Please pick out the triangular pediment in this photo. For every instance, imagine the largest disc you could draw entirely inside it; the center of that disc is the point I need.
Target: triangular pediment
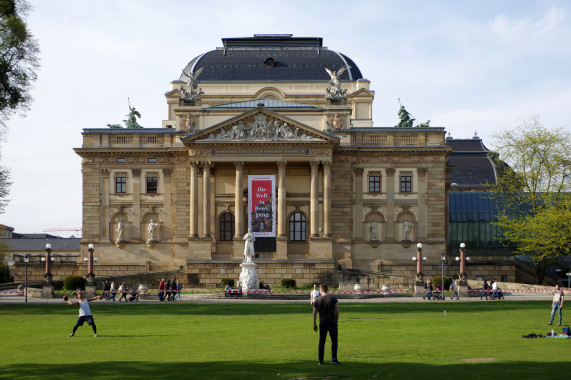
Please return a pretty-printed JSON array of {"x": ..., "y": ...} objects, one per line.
[
  {"x": 259, "y": 125},
  {"x": 363, "y": 92}
]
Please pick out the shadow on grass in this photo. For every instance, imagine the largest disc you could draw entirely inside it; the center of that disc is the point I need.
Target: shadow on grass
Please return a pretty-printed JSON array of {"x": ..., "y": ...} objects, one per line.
[{"x": 300, "y": 369}]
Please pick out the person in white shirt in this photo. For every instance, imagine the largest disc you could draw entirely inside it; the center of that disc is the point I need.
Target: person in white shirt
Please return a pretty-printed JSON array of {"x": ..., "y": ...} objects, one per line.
[
  {"x": 314, "y": 294},
  {"x": 84, "y": 311},
  {"x": 557, "y": 304}
]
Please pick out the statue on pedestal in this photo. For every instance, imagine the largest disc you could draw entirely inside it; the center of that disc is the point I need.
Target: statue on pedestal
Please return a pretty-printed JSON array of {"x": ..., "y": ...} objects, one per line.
[
  {"x": 249, "y": 246},
  {"x": 374, "y": 232},
  {"x": 119, "y": 230}
]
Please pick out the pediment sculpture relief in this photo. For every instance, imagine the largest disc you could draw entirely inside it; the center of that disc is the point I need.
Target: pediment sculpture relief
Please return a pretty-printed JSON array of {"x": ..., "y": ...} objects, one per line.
[{"x": 261, "y": 130}]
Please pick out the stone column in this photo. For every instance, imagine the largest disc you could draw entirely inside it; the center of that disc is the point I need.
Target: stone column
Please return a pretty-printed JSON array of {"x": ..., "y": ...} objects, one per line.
[
  {"x": 314, "y": 201},
  {"x": 282, "y": 210},
  {"x": 422, "y": 196},
  {"x": 193, "y": 199},
  {"x": 358, "y": 212},
  {"x": 168, "y": 206},
  {"x": 326, "y": 199},
  {"x": 390, "y": 203},
  {"x": 238, "y": 200},
  {"x": 206, "y": 199},
  {"x": 137, "y": 204},
  {"x": 419, "y": 281},
  {"x": 106, "y": 234}
]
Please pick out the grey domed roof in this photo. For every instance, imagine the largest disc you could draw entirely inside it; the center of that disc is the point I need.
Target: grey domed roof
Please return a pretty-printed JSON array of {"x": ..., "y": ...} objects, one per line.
[{"x": 271, "y": 58}]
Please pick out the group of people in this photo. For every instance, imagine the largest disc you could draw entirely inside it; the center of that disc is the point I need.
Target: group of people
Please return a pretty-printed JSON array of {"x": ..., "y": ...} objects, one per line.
[
  {"x": 229, "y": 292},
  {"x": 110, "y": 292},
  {"x": 492, "y": 290},
  {"x": 170, "y": 290},
  {"x": 433, "y": 292}
]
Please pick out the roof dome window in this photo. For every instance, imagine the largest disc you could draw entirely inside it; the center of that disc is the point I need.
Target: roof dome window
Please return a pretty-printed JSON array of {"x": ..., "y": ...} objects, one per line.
[{"x": 270, "y": 62}]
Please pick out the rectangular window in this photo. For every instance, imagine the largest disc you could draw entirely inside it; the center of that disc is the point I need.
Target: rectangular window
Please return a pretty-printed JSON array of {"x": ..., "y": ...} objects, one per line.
[
  {"x": 152, "y": 185},
  {"x": 120, "y": 185},
  {"x": 152, "y": 160},
  {"x": 121, "y": 160},
  {"x": 375, "y": 184},
  {"x": 405, "y": 183},
  {"x": 504, "y": 278}
]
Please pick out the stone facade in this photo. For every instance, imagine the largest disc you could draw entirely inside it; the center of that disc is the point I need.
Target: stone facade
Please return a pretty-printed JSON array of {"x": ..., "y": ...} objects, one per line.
[{"x": 366, "y": 195}]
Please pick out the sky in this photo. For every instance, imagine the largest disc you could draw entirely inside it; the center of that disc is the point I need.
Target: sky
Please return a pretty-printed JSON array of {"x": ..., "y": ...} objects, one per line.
[{"x": 468, "y": 66}]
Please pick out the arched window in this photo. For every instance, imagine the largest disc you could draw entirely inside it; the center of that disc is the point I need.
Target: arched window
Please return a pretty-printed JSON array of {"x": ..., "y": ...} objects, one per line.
[
  {"x": 297, "y": 227},
  {"x": 226, "y": 227}
]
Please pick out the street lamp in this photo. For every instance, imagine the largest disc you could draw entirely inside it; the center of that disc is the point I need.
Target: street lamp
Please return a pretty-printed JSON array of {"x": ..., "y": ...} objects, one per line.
[
  {"x": 463, "y": 258},
  {"x": 26, "y": 260},
  {"x": 443, "y": 260},
  {"x": 419, "y": 283},
  {"x": 48, "y": 259},
  {"x": 90, "y": 260}
]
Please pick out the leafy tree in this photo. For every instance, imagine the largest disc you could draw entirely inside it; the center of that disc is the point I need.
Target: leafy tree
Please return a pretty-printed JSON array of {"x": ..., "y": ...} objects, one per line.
[
  {"x": 533, "y": 191},
  {"x": 4, "y": 187},
  {"x": 18, "y": 59}
]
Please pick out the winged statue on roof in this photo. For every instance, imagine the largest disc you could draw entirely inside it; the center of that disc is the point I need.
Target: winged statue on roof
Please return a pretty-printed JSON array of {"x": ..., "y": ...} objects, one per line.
[
  {"x": 191, "y": 91},
  {"x": 334, "y": 91}
]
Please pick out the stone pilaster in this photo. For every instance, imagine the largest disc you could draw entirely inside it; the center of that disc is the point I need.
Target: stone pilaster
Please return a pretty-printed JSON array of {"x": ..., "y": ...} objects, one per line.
[
  {"x": 282, "y": 211},
  {"x": 239, "y": 200},
  {"x": 357, "y": 225},
  {"x": 136, "y": 230},
  {"x": 422, "y": 192},
  {"x": 314, "y": 201},
  {"x": 193, "y": 199},
  {"x": 206, "y": 199},
  {"x": 327, "y": 199},
  {"x": 390, "y": 203}
]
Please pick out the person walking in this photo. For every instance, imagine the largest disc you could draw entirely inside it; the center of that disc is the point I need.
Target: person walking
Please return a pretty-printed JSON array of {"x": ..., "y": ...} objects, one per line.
[
  {"x": 328, "y": 308},
  {"x": 178, "y": 289},
  {"x": 314, "y": 294},
  {"x": 113, "y": 290},
  {"x": 429, "y": 288},
  {"x": 557, "y": 304},
  {"x": 454, "y": 288},
  {"x": 494, "y": 289},
  {"x": 123, "y": 291},
  {"x": 485, "y": 288},
  {"x": 84, "y": 312},
  {"x": 161, "y": 293}
]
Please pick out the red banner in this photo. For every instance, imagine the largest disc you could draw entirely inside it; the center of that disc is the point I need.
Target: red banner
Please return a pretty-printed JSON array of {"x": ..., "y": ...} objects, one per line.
[{"x": 262, "y": 205}]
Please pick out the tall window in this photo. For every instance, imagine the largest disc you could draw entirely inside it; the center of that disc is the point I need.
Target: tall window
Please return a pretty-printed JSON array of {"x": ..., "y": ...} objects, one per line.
[
  {"x": 120, "y": 185},
  {"x": 406, "y": 183},
  {"x": 297, "y": 227},
  {"x": 152, "y": 185},
  {"x": 374, "y": 184},
  {"x": 226, "y": 227}
]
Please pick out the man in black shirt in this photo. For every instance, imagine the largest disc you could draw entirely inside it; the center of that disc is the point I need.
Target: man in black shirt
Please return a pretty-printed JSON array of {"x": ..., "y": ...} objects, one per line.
[{"x": 328, "y": 309}]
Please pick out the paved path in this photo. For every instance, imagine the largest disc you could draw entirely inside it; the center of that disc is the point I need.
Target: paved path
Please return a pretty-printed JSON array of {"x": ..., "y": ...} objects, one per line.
[{"x": 6, "y": 299}]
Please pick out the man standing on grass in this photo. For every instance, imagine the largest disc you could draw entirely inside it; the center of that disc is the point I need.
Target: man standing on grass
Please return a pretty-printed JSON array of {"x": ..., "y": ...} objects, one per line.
[
  {"x": 328, "y": 309},
  {"x": 84, "y": 311},
  {"x": 314, "y": 294},
  {"x": 557, "y": 304}
]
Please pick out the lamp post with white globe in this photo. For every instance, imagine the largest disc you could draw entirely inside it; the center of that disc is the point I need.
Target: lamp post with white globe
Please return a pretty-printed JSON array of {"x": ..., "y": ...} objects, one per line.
[
  {"x": 48, "y": 287},
  {"x": 419, "y": 281},
  {"x": 90, "y": 287}
]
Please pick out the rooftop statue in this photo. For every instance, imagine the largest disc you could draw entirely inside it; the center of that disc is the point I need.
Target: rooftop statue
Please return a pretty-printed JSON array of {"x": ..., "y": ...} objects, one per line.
[
  {"x": 191, "y": 91},
  {"x": 131, "y": 121},
  {"x": 334, "y": 91},
  {"x": 406, "y": 121}
]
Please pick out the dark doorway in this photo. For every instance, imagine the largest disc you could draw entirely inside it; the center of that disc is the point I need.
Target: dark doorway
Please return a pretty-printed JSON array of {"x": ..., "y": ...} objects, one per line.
[{"x": 265, "y": 244}]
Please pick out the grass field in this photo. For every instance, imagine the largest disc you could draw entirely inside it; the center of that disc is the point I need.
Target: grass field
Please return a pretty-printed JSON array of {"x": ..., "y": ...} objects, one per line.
[{"x": 477, "y": 340}]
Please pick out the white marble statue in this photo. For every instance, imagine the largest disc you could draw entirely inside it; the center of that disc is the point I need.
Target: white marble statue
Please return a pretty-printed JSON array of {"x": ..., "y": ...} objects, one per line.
[
  {"x": 119, "y": 230},
  {"x": 374, "y": 232},
  {"x": 249, "y": 246},
  {"x": 151, "y": 229},
  {"x": 407, "y": 227},
  {"x": 335, "y": 91}
]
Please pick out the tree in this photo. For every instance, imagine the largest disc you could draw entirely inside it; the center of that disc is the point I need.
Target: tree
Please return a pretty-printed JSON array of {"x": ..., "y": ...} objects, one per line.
[
  {"x": 18, "y": 59},
  {"x": 533, "y": 192},
  {"x": 4, "y": 187}
]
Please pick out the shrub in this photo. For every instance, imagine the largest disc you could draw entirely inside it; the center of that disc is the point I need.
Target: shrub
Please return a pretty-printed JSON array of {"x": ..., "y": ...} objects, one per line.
[
  {"x": 227, "y": 281},
  {"x": 74, "y": 282},
  {"x": 6, "y": 274},
  {"x": 288, "y": 283},
  {"x": 438, "y": 281}
]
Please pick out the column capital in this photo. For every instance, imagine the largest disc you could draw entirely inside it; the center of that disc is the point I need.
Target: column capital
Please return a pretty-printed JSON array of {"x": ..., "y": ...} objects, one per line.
[
  {"x": 358, "y": 171},
  {"x": 314, "y": 164},
  {"x": 327, "y": 164},
  {"x": 282, "y": 165},
  {"x": 206, "y": 164},
  {"x": 422, "y": 171},
  {"x": 167, "y": 171},
  {"x": 193, "y": 164},
  {"x": 390, "y": 171},
  {"x": 239, "y": 164},
  {"x": 105, "y": 172},
  {"x": 136, "y": 172}
]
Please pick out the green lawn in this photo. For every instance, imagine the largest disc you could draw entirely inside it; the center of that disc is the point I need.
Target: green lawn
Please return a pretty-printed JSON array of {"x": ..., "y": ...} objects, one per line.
[{"x": 479, "y": 340}]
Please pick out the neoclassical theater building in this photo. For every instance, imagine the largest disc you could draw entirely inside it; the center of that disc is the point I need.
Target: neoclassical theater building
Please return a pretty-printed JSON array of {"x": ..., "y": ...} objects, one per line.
[{"x": 272, "y": 133}]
